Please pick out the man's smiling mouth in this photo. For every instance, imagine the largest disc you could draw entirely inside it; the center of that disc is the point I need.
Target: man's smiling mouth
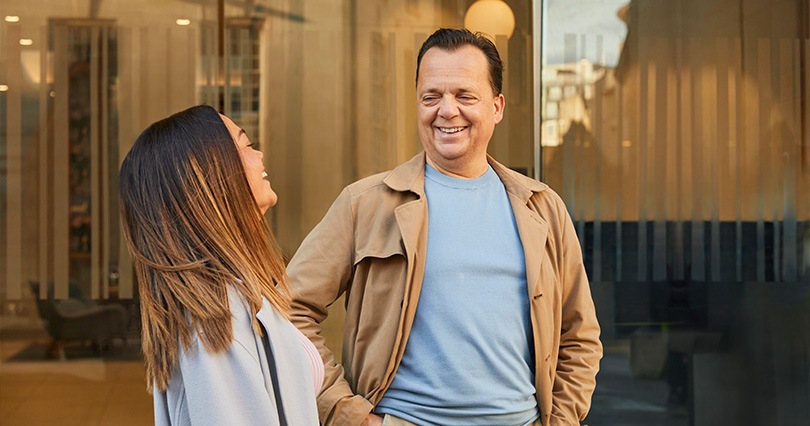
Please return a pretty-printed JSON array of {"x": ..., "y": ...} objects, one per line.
[{"x": 451, "y": 129}]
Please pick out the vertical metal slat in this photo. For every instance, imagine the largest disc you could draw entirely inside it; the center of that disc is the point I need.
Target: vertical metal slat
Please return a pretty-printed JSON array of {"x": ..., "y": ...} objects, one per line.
[
  {"x": 95, "y": 160},
  {"x": 61, "y": 164},
  {"x": 44, "y": 167},
  {"x": 14, "y": 181}
]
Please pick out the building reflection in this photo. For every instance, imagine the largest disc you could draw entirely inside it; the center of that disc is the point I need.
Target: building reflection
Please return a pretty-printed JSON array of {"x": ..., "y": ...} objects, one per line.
[{"x": 685, "y": 166}]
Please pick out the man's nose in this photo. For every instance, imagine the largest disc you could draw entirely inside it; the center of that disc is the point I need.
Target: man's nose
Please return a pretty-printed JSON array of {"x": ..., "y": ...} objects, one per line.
[{"x": 448, "y": 107}]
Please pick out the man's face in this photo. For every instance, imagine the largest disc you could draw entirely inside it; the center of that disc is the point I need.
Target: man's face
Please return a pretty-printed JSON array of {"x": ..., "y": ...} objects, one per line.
[{"x": 456, "y": 110}]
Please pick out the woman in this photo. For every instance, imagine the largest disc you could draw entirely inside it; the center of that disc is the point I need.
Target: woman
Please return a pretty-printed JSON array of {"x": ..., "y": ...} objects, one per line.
[{"x": 218, "y": 346}]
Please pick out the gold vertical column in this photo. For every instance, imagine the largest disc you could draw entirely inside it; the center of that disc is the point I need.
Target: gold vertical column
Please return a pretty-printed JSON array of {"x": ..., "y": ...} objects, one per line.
[
  {"x": 763, "y": 67},
  {"x": 674, "y": 176},
  {"x": 738, "y": 153},
  {"x": 391, "y": 77},
  {"x": 725, "y": 157},
  {"x": 14, "y": 243},
  {"x": 716, "y": 92},
  {"x": 696, "y": 171},
  {"x": 245, "y": 70},
  {"x": 128, "y": 108},
  {"x": 105, "y": 162},
  {"x": 774, "y": 162},
  {"x": 61, "y": 165},
  {"x": 143, "y": 78},
  {"x": 658, "y": 163},
  {"x": 194, "y": 59},
  {"x": 95, "y": 160},
  {"x": 646, "y": 123},
  {"x": 209, "y": 66},
  {"x": 225, "y": 70},
  {"x": 44, "y": 167},
  {"x": 737, "y": 157}
]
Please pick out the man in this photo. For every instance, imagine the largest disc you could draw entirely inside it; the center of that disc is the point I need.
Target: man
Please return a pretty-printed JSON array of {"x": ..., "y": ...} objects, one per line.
[{"x": 466, "y": 297}]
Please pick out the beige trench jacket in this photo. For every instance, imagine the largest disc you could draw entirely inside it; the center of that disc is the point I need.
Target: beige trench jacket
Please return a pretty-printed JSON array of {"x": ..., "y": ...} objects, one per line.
[{"x": 370, "y": 246}]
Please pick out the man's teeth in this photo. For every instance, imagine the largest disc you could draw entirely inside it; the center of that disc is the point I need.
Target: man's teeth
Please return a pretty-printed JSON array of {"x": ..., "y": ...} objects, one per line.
[
  {"x": 264, "y": 175},
  {"x": 451, "y": 129}
]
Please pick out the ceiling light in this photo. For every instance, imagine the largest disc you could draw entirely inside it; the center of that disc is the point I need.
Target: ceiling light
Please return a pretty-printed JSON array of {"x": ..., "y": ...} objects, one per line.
[
  {"x": 12, "y": 18},
  {"x": 26, "y": 41},
  {"x": 183, "y": 22},
  {"x": 3, "y": 88},
  {"x": 491, "y": 17}
]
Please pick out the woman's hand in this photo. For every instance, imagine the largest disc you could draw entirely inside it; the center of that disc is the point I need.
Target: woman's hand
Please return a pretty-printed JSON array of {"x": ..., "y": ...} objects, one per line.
[{"x": 372, "y": 420}]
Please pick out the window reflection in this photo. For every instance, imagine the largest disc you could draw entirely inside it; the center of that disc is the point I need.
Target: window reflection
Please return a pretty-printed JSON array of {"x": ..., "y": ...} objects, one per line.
[{"x": 683, "y": 162}]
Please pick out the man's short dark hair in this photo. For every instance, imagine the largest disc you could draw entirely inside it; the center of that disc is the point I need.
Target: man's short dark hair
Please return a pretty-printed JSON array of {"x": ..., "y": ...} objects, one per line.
[{"x": 453, "y": 39}]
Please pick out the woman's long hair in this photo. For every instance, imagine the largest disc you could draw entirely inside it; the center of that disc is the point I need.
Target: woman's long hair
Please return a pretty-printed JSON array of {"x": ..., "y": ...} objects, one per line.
[{"x": 193, "y": 228}]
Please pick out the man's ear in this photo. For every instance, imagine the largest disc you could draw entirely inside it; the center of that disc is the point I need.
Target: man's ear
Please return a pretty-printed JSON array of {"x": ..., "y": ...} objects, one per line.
[{"x": 499, "y": 105}]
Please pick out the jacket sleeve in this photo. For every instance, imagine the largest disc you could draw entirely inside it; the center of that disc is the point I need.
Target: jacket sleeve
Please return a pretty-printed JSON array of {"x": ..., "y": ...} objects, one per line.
[
  {"x": 580, "y": 349},
  {"x": 320, "y": 272},
  {"x": 226, "y": 388}
]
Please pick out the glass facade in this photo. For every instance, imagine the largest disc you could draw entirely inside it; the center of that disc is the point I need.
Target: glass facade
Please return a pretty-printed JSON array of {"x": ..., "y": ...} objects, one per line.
[
  {"x": 675, "y": 131},
  {"x": 677, "y": 134}
]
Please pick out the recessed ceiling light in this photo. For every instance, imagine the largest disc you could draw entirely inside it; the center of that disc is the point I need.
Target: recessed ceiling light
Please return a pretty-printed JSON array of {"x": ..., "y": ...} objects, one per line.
[
  {"x": 3, "y": 88},
  {"x": 183, "y": 22},
  {"x": 12, "y": 18},
  {"x": 26, "y": 41}
]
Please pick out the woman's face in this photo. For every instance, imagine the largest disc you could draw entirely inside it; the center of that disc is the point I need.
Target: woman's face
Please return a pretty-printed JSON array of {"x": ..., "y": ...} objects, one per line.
[{"x": 254, "y": 168}]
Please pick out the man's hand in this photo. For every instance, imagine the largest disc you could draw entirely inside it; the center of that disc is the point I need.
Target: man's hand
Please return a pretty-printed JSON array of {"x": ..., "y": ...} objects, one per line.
[{"x": 372, "y": 420}]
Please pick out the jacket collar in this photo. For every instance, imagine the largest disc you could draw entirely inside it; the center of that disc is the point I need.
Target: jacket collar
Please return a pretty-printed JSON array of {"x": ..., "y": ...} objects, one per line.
[{"x": 410, "y": 176}]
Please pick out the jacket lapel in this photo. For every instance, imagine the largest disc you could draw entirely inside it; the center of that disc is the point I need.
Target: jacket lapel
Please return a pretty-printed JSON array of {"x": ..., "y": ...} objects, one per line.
[
  {"x": 412, "y": 215},
  {"x": 532, "y": 228},
  {"x": 412, "y": 221},
  {"x": 291, "y": 362},
  {"x": 533, "y": 232}
]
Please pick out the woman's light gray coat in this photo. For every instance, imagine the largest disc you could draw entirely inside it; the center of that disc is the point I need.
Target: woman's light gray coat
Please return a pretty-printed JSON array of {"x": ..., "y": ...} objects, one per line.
[{"x": 235, "y": 387}]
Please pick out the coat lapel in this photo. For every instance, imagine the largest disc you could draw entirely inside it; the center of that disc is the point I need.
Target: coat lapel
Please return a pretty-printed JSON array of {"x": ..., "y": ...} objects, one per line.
[
  {"x": 292, "y": 367},
  {"x": 533, "y": 232},
  {"x": 532, "y": 228},
  {"x": 411, "y": 219},
  {"x": 411, "y": 216}
]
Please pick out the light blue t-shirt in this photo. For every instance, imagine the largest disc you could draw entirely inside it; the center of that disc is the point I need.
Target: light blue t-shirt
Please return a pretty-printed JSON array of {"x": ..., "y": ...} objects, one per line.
[{"x": 468, "y": 360}]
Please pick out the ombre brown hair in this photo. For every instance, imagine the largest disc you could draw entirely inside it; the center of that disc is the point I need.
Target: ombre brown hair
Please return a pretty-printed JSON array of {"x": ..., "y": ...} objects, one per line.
[{"x": 194, "y": 230}]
